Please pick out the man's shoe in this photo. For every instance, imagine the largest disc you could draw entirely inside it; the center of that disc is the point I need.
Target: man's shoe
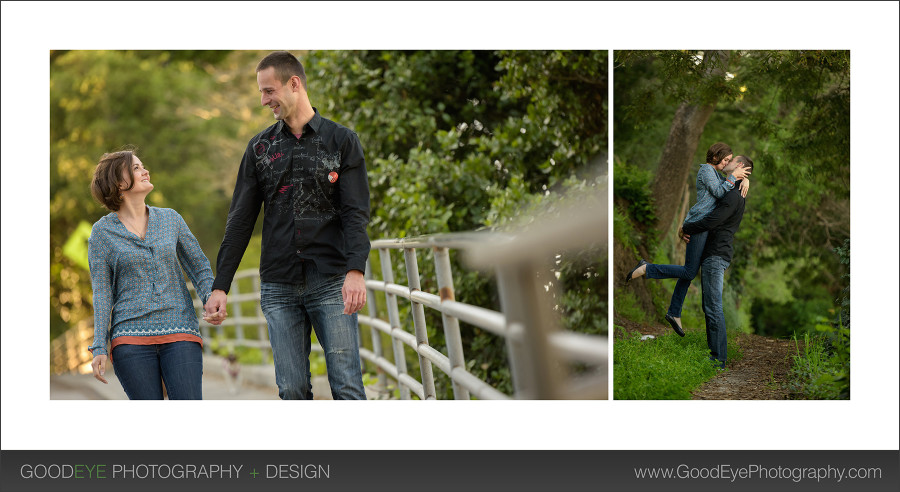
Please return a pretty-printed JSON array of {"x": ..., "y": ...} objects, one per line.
[
  {"x": 628, "y": 277},
  {"x": 674, "y": 324}
]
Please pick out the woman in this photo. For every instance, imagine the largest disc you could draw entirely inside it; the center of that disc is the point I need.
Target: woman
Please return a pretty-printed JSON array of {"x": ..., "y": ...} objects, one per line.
[
  {"x": 143, "y": 312},
  {"x": 710, "y": 187}
]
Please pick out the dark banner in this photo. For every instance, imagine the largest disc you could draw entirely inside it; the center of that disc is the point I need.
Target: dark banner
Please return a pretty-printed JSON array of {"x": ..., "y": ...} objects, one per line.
[{"x": 397, "y": 471}]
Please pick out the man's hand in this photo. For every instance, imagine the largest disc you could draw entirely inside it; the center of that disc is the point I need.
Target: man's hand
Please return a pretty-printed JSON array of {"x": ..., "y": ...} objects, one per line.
[
  {"x": 214, "y": 311},
  {"x": 684, "y": 237},
  {"x": 745, "y": 185},
  {"x": 99, "y": 367},
  {"x": 354, "y": 291},
  {"x": 741, "y": 172}
]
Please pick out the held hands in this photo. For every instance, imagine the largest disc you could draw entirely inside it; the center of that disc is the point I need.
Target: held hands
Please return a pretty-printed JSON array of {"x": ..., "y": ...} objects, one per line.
[
  {"x": 99, "y": 367},
  {"x": 354, "y": 291},
  {"x": 745, "y": 185},
  {"x": 684, "y": 237},
  {"x": 214, "y": 311}
]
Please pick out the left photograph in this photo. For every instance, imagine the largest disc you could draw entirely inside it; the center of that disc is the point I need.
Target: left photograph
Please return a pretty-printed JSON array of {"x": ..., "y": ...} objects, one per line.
[{"x": 328, "y": 225}]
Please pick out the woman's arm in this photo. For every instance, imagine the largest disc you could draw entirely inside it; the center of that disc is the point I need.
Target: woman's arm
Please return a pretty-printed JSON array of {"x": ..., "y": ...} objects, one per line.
[
  {"x": 102, "y": 287},
  {"x": 708, "y": 178},
  {"x": 193, "y": 260}
]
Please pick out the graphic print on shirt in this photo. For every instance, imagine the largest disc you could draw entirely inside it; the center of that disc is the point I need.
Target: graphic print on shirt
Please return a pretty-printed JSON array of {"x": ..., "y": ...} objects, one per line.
[
  {"x": 273, "y": 173},
  {"x": 303, "y": 183},
  {"x": 312, "y": 169}
]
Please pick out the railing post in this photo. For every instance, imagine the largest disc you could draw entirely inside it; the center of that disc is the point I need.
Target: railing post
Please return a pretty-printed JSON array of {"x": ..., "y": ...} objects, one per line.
[
  {"x": 537, "y": 375},
  {"x": 451, "y": 324},
  {"x": 412, "y": 272},
  {"x": 387, "y": 273},
  {"x": 261, "y": 328},
  {"x": 381, "y": 385}
]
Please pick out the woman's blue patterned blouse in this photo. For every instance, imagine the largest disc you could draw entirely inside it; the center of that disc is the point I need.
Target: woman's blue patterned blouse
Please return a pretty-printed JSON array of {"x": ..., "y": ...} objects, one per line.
[{"x": 138, "y": 287}]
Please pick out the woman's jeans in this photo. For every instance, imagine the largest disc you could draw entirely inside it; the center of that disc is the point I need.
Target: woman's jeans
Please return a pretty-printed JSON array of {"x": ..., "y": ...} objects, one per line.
[
  {"x": 292, "y": 312},
  {"x": 684, "y": 274},
  {"x": 143, "y": 369}
]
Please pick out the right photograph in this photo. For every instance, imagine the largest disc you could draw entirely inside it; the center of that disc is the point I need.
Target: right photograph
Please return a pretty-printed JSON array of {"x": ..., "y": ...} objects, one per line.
[{"x": 731, "y": 254}]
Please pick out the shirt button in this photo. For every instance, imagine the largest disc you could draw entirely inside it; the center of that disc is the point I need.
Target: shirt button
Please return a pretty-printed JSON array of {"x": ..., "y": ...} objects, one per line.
[{"x": 298, "y": 251}]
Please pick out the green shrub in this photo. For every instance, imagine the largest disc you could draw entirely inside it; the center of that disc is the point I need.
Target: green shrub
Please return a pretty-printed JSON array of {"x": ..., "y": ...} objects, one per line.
[
  {"x": 633, "y": 185},
  {"x": 821, "y": 371}
]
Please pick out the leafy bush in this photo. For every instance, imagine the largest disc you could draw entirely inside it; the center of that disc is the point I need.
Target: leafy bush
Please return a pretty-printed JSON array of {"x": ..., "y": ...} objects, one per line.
[
  {"x": 822, "y": 370},
  {"x": 633, "y": 185}
]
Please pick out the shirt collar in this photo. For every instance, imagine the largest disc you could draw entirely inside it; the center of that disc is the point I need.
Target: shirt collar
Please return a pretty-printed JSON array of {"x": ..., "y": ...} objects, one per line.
[{"x": 314, "y": 124}]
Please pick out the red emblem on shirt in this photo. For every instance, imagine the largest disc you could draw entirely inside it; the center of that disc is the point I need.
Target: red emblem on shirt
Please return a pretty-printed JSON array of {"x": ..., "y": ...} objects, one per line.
[{"x": 332, "y": 176}]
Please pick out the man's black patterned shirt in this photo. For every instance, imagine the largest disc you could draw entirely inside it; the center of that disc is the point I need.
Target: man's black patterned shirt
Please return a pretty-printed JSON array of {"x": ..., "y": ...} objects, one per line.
[{"x": 316, "y": 197}]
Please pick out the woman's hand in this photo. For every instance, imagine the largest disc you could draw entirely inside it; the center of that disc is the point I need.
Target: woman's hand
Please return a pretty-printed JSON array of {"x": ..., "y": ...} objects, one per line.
[
  {"x": 99, "y": 367},
  {"x": 745, "y": 185},
  {"x": 684, "y": 237},
  {"x": 215, "y": 318},
  {"x": 741, "y": 172}
]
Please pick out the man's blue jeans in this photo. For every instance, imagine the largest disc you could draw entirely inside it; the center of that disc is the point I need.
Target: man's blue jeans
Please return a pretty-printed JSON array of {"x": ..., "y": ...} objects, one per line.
[
  {"x": 143, "y": 369},
  {"x": 292, "y": 311},
  {"x": 713, "y": 281},
  {"x": 684, "y": 273}
]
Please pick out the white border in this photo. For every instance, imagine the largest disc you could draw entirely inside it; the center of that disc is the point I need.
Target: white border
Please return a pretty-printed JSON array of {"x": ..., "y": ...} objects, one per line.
[{"x": 31, "y": 421}]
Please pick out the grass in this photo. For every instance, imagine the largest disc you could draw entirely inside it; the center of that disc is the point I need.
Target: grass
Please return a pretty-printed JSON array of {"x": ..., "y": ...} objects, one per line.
[
  {"x": 668, "y": 367},
  {"x": 821, "y": 370}
]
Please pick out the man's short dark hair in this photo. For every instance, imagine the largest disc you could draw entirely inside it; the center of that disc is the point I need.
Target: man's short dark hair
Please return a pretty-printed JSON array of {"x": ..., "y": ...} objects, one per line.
[
  {"x": 717, "y": 152},
  {"x": 286, "y": 66},
  {"x": 745, "y": 161}
]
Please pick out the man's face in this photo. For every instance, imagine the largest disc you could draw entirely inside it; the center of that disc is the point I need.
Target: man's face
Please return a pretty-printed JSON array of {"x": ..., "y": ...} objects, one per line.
[
  {"x": 280, "y": 97},
  {"x": 731, "y": 166},
  {"x": 725, "y": 162}
]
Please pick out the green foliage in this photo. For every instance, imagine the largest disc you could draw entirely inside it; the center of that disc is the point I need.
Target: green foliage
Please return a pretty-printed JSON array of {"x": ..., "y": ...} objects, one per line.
[
  {"x": 843, "y": 253},
  {"x": 822, "y": 370},
  {"x": 627, "y": 307},
  {"x": 633, "y": 186},
  {"x": 667, "y": 367}
]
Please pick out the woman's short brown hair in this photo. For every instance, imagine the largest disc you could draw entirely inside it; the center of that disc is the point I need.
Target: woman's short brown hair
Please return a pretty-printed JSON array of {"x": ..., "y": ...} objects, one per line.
[
  {"x": 717, "y": 152},
  {"x": 109, "y": 175}
]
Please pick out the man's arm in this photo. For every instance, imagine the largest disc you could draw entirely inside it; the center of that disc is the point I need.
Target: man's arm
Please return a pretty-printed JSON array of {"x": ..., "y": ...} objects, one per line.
[
  {"x": 724, "y": 209},
  {"x": 353, "y": 185},
  {"x": 245, "y": 204}
]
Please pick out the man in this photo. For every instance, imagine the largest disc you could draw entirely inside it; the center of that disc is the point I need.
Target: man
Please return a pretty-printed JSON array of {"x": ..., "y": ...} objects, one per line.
[
  {"x": 722, "y": 223},
  {"x": 311, "y": 175}
]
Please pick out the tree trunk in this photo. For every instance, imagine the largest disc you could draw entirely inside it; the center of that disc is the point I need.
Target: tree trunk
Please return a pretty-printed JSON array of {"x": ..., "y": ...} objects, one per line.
[{"x": 677, "y": 163}]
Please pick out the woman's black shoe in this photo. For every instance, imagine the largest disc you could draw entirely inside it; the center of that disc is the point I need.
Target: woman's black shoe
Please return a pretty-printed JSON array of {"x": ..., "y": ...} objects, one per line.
[
  {"x": 674, "y": 324},
  {"x": 628, "y": 277}
]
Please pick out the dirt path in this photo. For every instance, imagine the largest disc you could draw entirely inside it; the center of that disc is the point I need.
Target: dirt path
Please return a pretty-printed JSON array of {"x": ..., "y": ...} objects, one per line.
[{"x": 760, "y": 374}]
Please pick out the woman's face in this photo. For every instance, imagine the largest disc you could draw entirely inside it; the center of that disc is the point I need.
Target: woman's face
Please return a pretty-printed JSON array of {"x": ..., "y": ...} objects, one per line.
[
  {"x": 724, "y": 162},
  {"x": 141, "y": 176}
]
